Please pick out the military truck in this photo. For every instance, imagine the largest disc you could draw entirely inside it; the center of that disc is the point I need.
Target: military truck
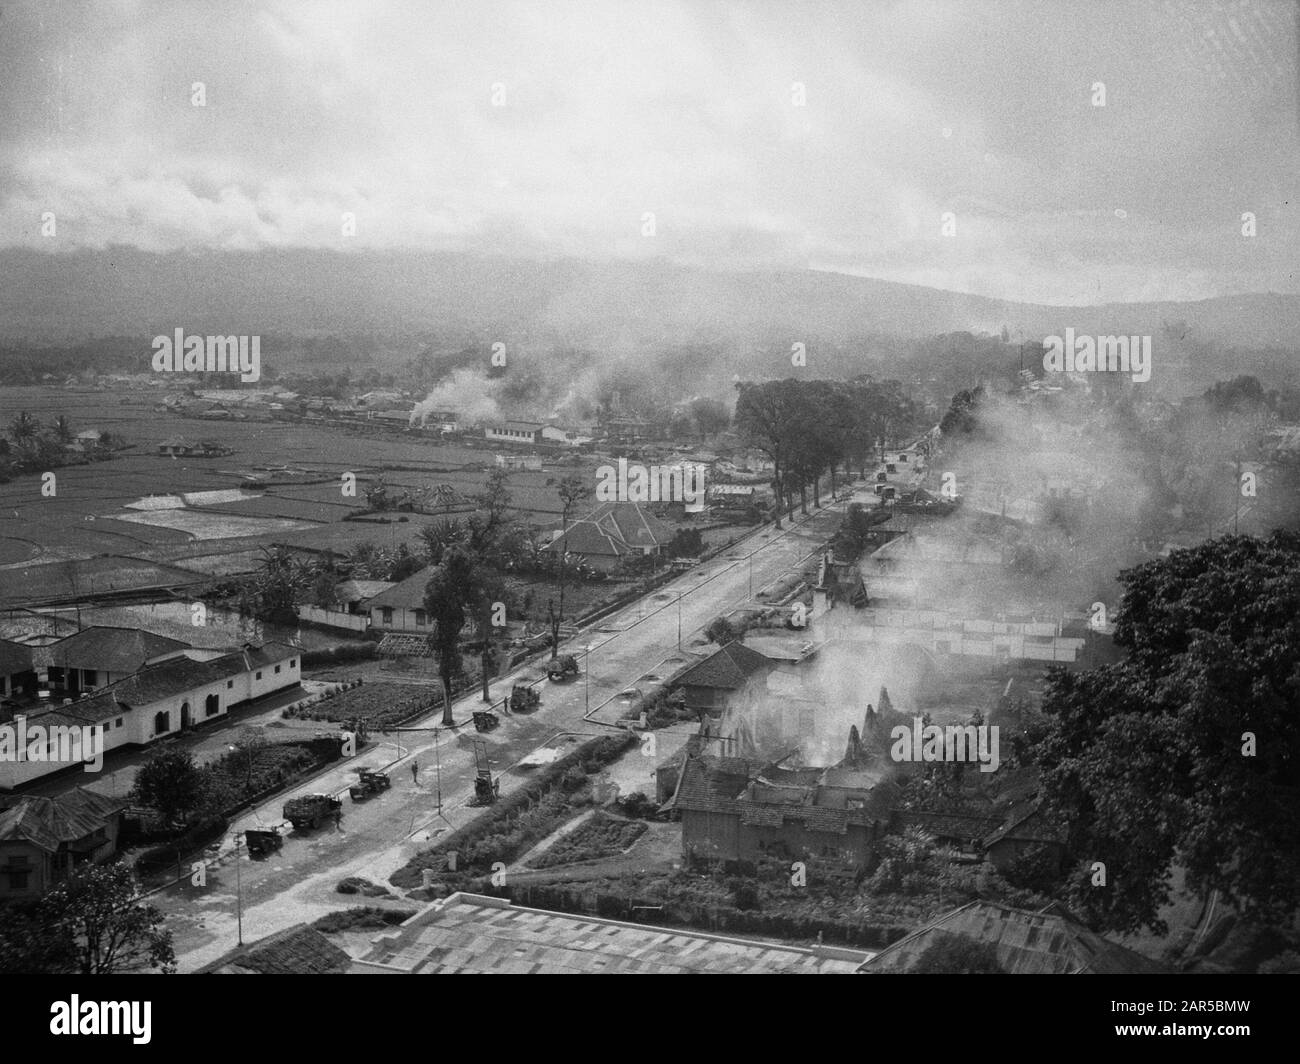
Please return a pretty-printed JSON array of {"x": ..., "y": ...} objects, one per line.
[
  {"x": 523, "y": 699},
  {"x": 563, "y": 668},
  {"x": 307, "y": 812}
]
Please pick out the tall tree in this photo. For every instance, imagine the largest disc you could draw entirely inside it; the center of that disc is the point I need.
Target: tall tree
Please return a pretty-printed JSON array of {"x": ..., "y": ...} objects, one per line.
[
  {"x": 170, "y": 783},
  {"x": 110, "y": 927},
  {"x": 769, "y": 417},
  {"x": 1188, "y": 752},
  {"x": 454, "y": 593},
  {"x": 572, "y": 491}
]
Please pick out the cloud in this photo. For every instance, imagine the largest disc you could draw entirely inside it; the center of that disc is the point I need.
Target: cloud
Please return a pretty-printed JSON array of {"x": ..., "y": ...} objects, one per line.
[{"x": 384, "y": 111}]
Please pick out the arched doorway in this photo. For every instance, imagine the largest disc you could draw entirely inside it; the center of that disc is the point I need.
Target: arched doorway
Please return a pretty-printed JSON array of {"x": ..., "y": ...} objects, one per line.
[
  {"x": 185, "y": 716},
  {"x": 211, "y": 706},
  {"x": 162, "y": 723}
]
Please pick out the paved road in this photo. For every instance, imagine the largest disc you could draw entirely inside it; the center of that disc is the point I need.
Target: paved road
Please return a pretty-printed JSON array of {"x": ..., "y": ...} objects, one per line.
[{"x": 380, "y": 835}]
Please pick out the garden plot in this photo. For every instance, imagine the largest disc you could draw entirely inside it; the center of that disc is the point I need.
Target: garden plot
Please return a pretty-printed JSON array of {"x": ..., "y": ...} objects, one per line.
[{"x": 378, "y": 704}]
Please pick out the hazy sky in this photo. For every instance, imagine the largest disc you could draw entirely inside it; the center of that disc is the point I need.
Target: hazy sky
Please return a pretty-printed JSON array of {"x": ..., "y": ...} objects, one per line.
[{"x": 687, "y": 109}]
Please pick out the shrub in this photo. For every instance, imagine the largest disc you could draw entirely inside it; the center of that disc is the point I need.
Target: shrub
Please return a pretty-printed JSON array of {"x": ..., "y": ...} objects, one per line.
[
  {"x": 744, "y": 894},
  {"x": 638, "y": 806},
  {"x": 361, "y": 918},
  {"x": 359, "y": 885}
]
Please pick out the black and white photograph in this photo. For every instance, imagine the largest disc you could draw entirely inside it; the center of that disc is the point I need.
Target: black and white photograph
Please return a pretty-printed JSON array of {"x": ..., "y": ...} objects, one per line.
[{"x": 649, "y": 487}]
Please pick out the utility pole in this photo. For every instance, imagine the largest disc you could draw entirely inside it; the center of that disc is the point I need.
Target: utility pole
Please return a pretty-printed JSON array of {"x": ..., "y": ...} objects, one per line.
[
  {"x": 679, "y": 620},
  {"x": 239, "y": 893},
  {"x": 487, "y": 650},
  {"x": 437, "y": 768}
]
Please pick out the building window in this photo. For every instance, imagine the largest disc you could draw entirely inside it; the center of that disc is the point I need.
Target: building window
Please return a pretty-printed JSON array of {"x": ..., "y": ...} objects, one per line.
[
  {"x": 293, "y": 662},
  {"x": 211, "y": 705},
  {"x": 89, "y": 677},
  {"x": 119, "y": 722},
  {"x": 230, "y": 684},
  {"x": 419, "y": 618},
  {"x": 388, "y": 615},
  {"x": 259, "y": 676},
  {"x": 277, "y": 668}
]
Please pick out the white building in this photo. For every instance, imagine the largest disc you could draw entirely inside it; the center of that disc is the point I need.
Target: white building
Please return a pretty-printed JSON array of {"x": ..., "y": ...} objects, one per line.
[{"x": 161, "y": 700}]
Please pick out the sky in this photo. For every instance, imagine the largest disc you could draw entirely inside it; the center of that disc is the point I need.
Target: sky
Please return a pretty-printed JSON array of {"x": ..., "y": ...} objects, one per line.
[{"x": 793, "y": 134}]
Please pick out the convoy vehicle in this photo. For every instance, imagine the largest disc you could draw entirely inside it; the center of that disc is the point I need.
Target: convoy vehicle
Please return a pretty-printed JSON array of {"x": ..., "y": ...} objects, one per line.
[
  {"x": 562, "y": 668},
  {"x": 371, "y": 782},
  {"x": 307, "y": 812}
]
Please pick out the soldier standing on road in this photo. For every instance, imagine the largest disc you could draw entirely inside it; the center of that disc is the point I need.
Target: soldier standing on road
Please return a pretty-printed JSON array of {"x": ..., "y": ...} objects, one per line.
[
  {"x": 338, "y": 817},
  {"x": 415, "y": 773}
]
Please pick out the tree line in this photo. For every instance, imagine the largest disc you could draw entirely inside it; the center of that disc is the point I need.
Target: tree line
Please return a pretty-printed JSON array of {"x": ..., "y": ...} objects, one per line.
[{"x": 811, "y": 429}]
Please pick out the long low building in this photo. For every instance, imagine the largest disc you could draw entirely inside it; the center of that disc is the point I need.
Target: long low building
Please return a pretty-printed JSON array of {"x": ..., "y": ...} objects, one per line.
[
  {"x": 474, "y": 933},
  {"x": 160, "y": 700}
]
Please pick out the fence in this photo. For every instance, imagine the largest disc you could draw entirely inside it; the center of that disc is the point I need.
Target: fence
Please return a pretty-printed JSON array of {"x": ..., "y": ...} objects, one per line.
[{"x": 333, "y": 618}]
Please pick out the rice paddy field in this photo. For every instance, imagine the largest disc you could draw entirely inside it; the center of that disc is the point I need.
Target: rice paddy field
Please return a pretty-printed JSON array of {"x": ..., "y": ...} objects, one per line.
[{"x": 179, "y": 519}]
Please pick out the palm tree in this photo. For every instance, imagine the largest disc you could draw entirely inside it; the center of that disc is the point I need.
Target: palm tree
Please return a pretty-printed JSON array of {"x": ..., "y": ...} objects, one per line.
[{"x": 62, "y": 429}]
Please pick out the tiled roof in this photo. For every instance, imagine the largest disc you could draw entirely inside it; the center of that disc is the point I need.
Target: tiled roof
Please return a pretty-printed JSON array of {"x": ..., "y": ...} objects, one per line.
[
  {"x": 585, "y": 537},
  {"x": 728, "y": 668},
  {"x": 613, "y": 528},
  {"x": 108, "y": 649},
  {"x": 467, "y": 933},
  {"x": 1031, "y": 825},
  {"x": 297, "y": 950},
  {"x": 634, "y": 525},
  {"x": 407, "y": 595},
  {"x": 1048, "y": 942},
  {"x": 361, "y": 590},
  {"x": 52, "y": 822},
  {"x": 951, "y": 825},
  {"x": 14, "y": 657},
  {"x": 169, "y": 678},
  {"x": 708, "y": 778},
  {"x": 727, "y": 786}
]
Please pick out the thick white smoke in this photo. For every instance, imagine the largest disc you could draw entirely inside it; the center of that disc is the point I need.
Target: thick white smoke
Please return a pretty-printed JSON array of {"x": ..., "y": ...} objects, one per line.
[{"x": 466, "y": 393}]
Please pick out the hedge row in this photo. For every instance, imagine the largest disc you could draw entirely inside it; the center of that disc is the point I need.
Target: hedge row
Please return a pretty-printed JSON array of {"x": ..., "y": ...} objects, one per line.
[
  {"x": 336, "y": 655},
  {"x": 590, "y": 756},
  {"x": 204, "y": 833},
  {"x": 712, "y": 918}
]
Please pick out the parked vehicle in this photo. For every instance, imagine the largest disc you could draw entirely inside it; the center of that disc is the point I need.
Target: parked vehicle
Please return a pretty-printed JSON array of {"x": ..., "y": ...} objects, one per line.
[
  {"x": 562, "y": 668},
  {"x": 485, "y": 721},
  {"x": 307, "y": 812},
  {"x": 523, "y": 699},
  {"x": 262, "y": 841},
  {"x": 371, "y": 782}
]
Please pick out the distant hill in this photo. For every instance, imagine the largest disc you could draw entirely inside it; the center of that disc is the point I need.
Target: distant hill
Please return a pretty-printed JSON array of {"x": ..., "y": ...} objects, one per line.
[{"x": 129, "y": 292}]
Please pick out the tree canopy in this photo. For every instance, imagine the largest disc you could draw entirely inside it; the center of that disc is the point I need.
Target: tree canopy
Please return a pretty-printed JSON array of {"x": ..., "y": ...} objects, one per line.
[{"x": 1188, "y": 752}]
